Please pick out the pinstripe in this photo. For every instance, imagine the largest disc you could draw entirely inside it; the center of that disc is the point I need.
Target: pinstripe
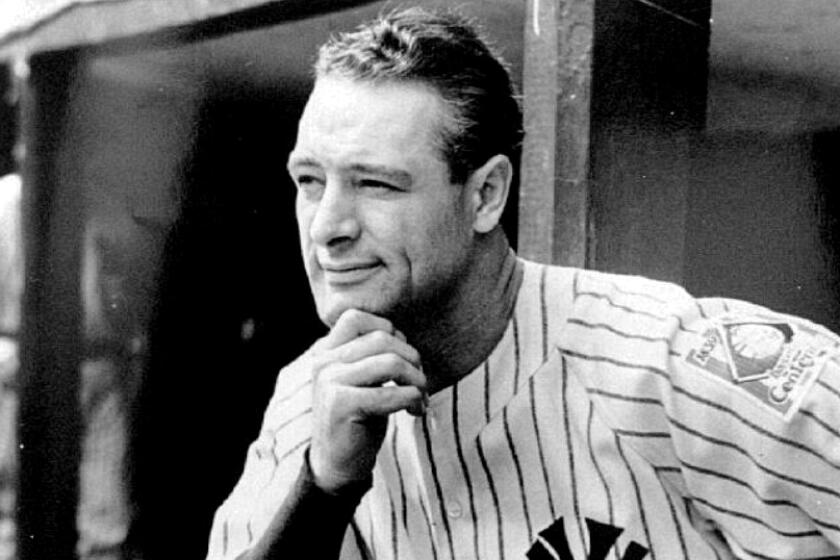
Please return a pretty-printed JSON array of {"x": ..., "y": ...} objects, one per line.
[
  {"x": 486, "y": 392},
  {"x": 294, "y": 418},
  {"x": 294, "y": 392},
  {"x": 568, "y": 432},
  {"x": 516, "y": 356},
  {"x": 429, "y": 527},
  {"x": 768, "y": 470},
  {"x": 764, "y": 557},
  {"x": 360, "y": 541},
  {"x": 686, "y": 504},
  {"x": 543, "y": 315},
  {"x": 460, "y": 452},
  {"x": 610, "y": 328},
  {"x": 601, "y": 477},
  {"x": 400, "y": 477},
  {"x": 779, "y": 502},
  {"x": 511, "y": 446},
  {"x": 575, "y": 285},
  {"x": 249, "y": 531},
  {"x": 700, "y": 309},
  {"x": 613, "y": 361},
  {"x": 825, "y": 425},
  {"x": 540, "y": 451},
  {"x": 756, "y": 520},
  {"x": 438, "y": 490},
  {"x": 395, "y": 541},
  {"x": 615, "y": 287},
  {"x": 291, "y": 451},
  {"x": 626, "y": 308},
  {"x": 638, "y": 434},
  {"x": 628, "y": 398},
  {"x": 702, "y": 400},
  {"x": 675, "y": 519},
  {"x": 828, "y": 388},
  {"x": 725, "y": 306},
  {"x": 738, "y": 481},
  {"x": 667, "y": 469},
  {"x": 754, "y": 427},
  {"x": 648, "y": 400},
  {"x": 532, "y": 390},
  {"x": 495, "y": 496},
  {"x": 519, "y": 477},
  {"x": 638, "y": 495},
  {"x": 225, "y": 536}
]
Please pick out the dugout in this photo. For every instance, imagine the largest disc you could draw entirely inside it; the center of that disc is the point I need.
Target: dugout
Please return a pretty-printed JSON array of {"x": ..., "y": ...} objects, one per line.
[{"x": 163, "y": 288}]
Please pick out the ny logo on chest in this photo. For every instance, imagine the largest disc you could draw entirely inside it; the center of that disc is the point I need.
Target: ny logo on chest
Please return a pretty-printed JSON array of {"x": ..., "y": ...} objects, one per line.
[{"x": 553, "y": 543}]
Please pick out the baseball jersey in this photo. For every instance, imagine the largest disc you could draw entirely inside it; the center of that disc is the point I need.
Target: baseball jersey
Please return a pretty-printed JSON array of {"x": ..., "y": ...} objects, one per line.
[{"x": 617, "y": 418}]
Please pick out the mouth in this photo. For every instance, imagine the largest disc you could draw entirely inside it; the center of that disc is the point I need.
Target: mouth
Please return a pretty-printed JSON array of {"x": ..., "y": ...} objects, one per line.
[{"x": 349, "y": 273}]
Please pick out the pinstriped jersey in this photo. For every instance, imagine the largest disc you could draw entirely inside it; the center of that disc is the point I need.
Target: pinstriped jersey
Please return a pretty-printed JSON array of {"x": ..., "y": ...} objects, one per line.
[{"x": 617, "y": 418}]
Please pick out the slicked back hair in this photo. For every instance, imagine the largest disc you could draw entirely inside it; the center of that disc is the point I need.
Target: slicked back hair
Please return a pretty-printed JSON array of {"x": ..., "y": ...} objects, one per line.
[{"x": 443, "y": 50}]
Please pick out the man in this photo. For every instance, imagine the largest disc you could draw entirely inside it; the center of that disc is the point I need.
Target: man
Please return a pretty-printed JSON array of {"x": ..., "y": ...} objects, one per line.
[{"x": 469, "y": 404}]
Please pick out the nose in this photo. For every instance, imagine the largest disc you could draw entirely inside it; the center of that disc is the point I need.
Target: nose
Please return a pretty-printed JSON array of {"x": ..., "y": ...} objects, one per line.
[{"x": 335, "y": 219}]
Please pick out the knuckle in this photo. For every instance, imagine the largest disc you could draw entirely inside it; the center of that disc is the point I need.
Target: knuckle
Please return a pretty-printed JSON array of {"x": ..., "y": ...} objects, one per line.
[
  {"x": 351, "y": 316},
  {"x": 379, "y": 337}
]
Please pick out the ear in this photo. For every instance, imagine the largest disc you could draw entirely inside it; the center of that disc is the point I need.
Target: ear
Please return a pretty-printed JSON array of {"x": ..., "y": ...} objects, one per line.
[{"x": 489, "y": 186}]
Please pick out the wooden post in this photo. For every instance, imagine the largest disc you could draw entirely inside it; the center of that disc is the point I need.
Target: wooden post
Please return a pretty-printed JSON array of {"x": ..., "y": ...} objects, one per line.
[
  {"x": 49, "y": 421},
  {"x": 614, "y": 91},
  {"x": 553, "y": 196}
]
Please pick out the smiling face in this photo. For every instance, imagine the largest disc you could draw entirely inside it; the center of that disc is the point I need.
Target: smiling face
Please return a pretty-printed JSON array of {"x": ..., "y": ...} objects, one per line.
[{"x": 382, "y": 228}]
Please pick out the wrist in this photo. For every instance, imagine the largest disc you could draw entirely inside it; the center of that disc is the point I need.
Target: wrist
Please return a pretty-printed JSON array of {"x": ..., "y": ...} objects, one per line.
[{"x": 337, "y": 486}]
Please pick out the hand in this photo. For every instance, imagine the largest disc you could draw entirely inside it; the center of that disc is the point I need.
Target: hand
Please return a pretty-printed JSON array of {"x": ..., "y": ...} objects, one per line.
[{"x": 363, "y": 371}]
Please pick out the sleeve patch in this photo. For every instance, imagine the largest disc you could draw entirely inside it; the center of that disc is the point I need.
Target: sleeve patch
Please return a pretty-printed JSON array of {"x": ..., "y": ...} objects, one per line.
[{"x": 774, "y": 361}]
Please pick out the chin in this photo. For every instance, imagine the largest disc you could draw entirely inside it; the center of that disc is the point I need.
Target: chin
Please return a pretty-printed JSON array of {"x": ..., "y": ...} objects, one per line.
[{"x": 332, "y": 307}]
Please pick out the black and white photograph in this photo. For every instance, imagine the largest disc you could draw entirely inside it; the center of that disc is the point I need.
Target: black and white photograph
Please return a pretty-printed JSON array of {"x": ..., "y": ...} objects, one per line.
[{"x": 419, "y": 279}]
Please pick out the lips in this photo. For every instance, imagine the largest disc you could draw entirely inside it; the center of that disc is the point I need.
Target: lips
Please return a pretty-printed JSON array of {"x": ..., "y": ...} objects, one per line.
[{"x": 349, "y": 273}]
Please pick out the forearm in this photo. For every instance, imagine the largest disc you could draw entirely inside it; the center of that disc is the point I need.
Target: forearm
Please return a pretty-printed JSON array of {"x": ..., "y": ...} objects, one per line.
[{"x": 310, "y": 523}]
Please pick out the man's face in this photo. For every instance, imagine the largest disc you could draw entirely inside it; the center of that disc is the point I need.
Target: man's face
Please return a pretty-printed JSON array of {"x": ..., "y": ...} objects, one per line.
[{"x": 381, "y": 226}]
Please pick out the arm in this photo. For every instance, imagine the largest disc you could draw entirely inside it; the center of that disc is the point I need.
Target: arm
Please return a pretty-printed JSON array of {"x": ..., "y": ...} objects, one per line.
[
  {"x": 745, "y": 404},
  {"x": 756, "y": 419},
  {"x": 289, "y": 535},
  {"x": 347, "y": 384}
]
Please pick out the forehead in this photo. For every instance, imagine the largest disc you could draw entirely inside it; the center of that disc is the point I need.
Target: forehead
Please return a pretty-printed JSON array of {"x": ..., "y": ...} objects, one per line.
[{"x": 346, "y": 118}]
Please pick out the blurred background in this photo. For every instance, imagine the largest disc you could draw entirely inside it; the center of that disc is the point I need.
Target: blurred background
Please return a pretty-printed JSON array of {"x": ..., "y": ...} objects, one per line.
[{"x": 150, "y": 282}]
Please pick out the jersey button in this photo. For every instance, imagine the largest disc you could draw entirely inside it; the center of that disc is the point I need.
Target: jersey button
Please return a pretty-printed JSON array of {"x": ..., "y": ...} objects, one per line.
[{"x": 454, "y": 510}]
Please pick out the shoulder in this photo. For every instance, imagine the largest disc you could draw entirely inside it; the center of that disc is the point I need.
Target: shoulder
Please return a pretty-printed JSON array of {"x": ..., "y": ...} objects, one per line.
[{"x": 715, "y": 373}]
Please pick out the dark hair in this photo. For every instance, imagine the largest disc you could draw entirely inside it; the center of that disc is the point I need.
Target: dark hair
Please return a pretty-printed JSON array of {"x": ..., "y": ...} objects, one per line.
[{"x": 445, "y": 51}]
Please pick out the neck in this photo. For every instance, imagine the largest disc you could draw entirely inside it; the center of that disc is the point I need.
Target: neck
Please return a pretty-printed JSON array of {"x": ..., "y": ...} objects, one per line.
[{"x": 456, "y": 335}]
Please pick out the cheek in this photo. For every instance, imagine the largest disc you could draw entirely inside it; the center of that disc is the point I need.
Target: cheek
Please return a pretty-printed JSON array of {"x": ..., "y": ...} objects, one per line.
[{"x": 440, "y": 238}]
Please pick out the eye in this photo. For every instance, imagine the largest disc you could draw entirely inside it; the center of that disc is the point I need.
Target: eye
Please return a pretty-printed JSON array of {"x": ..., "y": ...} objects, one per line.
[
  {"x": 304, "y": 180},
  {"x": 376, "y": 184},
  {"x": 308, "y": 183}
]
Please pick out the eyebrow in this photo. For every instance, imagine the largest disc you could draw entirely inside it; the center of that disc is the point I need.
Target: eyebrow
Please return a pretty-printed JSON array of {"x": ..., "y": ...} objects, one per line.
[{"x": 398, "y": 176}]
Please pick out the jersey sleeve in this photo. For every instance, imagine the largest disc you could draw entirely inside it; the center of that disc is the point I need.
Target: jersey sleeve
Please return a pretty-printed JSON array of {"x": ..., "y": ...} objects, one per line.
[
  {"x": 735, "y": 406},
  {"x": 755, "y": 413},
  {"x": 272, "y": 466}
]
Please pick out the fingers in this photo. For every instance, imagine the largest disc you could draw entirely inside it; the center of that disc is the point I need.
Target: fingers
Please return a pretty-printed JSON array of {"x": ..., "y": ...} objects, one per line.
[
  {"x": 381, "y": 401},
  {"x": 353, "y": 324},
  {"x": 377, "y": 342},
  {"x": 378, "y": 370}
]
